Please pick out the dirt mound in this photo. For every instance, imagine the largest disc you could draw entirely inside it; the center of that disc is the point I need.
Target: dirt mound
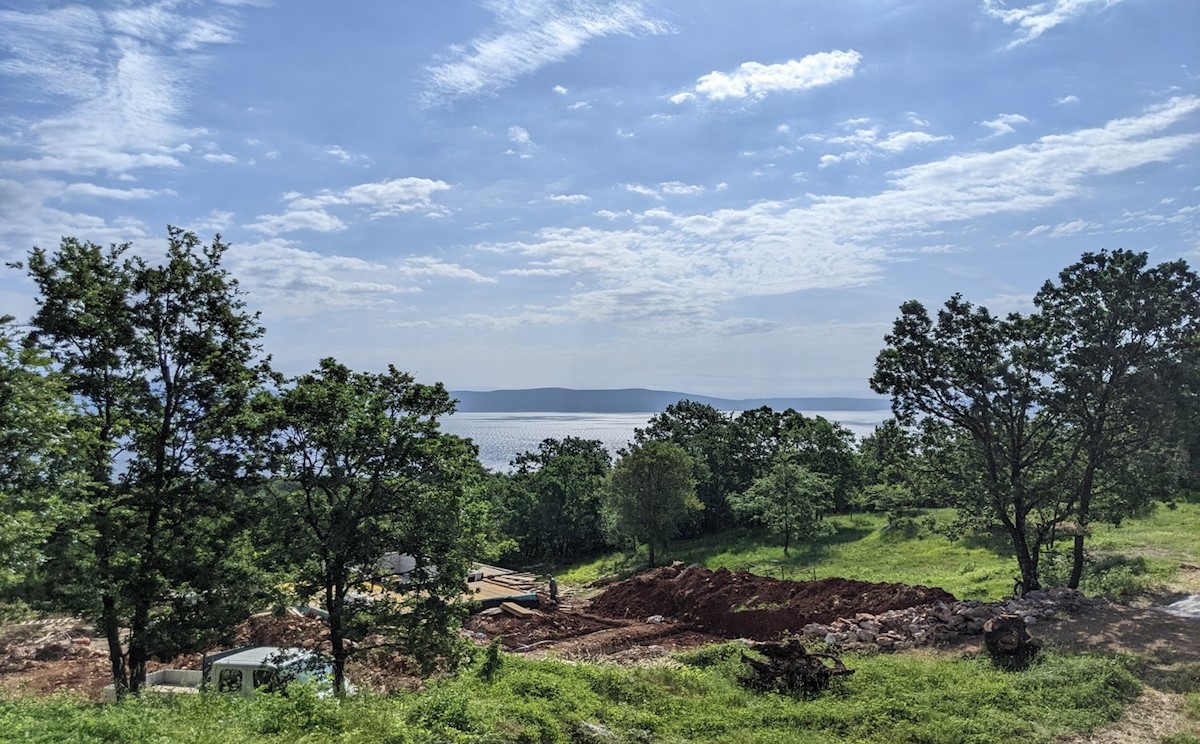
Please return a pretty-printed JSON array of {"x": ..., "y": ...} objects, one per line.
[
  {"x": 741, "y": 605},
  {"x": 287, "y": 630}
]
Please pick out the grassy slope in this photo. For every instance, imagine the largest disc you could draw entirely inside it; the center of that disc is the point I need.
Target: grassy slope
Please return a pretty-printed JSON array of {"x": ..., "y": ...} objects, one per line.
[
  {"x": 891, "y": 698},
  {"x": 861, "y": 550},
  {"x": 910, "y": 698}
]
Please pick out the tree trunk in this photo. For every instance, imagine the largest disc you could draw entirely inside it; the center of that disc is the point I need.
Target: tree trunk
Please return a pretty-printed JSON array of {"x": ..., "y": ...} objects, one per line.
[
  {"x": 1025, "y": 558},
  {"x": 650, "y": 545},
  {"x": 787, "y": 541},
  {"x": 138, "y": 653},
  {"x": 337, "y": 643},
  {"x": 1084, "y": 513},
  {"x": 112, "y": 632}
]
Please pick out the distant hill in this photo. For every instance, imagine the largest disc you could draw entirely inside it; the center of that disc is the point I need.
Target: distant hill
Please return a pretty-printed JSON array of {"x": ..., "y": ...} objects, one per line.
[{"x": 636, "y": 400}]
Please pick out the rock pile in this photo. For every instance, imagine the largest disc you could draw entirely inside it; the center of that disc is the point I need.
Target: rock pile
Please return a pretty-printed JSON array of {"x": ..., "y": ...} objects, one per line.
[
  {"x": 20, "y": 654},
  {"x": 940, "y": 621}
]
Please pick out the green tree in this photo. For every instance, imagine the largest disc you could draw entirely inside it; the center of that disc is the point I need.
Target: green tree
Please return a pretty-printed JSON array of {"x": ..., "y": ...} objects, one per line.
[
  {"x": 706, "y": 434},
  {"x": 550, "y": 504},
  {"x": 823, "y": 447},
  {"x": 983, "y": 376},
  {"x": 1120, "y": 330},
  {"x": 162, "y": 360},
  {"x": 789, "y": 500},
  {"x": 650, "y": 492},
  {"x": 386, "y": 507},
  {"x": 37, "y": 470}
]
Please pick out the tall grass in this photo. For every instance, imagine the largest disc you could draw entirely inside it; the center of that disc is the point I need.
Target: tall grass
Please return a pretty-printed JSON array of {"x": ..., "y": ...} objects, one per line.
[{"x": 910, "y": 698}]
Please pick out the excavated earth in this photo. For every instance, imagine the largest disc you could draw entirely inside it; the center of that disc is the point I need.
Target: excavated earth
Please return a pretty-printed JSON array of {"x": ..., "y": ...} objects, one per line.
[{"x": 735, "y": 604}]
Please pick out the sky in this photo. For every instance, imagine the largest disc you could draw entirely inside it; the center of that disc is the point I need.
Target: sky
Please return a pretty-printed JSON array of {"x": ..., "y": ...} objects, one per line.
[{"x": 720, "y": 197}]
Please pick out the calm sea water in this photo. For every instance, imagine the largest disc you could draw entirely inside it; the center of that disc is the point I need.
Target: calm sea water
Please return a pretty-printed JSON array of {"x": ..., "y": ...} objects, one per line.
[{"x": 502, "y": 436}]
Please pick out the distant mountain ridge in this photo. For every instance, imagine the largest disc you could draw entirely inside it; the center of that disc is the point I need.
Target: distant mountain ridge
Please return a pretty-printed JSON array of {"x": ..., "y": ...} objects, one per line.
[{"x": 636, "y": 400}]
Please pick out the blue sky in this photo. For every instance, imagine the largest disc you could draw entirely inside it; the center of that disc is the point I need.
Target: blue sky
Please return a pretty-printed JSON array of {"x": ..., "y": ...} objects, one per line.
[{"x": 729, "y": 198}]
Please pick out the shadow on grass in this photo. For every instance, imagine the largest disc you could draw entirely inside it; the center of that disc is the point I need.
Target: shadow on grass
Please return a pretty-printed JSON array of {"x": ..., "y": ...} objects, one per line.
[{"x": 993, "y": 540}]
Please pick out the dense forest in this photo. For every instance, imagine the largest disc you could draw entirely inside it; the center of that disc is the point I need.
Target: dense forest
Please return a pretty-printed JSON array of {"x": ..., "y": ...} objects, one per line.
[{"x": 159, "y": 476}]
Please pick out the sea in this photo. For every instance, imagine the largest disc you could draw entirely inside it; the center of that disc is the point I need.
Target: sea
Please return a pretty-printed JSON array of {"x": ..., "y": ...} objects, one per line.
[{"x": 503, "y": 436}]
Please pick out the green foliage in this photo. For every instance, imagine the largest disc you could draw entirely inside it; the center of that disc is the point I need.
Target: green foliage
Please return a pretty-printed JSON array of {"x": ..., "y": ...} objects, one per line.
[
  {"x": 1191, "y": 705},
  {"x": 1067, "y": 414},
  {"x": 368, "y": 476},
  {"x": 790, "y": 500},
  {"x": 650, "y": 492},
  {"x": 1116, "y": 576},
  {"x": 550, "y": 504},
  {"x": 162, "y": 360},
  {"x": 493, "y": 659},
  {"x": 38, "y": 473},
  {"x": 710, "y": 438}
]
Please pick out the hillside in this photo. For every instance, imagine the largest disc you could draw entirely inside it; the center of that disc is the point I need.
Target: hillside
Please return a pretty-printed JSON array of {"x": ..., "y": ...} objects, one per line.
[{"x": 636, "y": 400}]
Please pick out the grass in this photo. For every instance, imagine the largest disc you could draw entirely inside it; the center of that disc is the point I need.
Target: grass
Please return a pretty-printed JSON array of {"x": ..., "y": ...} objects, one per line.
[
  {"x": 890, "y": 698},
  {"x": 974, "y": 568}
]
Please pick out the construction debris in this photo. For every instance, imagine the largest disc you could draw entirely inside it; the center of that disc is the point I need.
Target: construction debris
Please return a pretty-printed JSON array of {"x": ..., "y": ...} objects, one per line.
[
  {"x": 1009, "y": 642},
  {"x": 790, "y": 668}
]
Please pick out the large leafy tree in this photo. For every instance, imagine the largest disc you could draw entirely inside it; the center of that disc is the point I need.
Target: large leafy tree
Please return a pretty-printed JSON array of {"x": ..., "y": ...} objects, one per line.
[
  {"x": 1121, "y": 330},
  {"x": 650, "y": 493},
  {"x": 387, "y": 517},
  {"x": 1070, "y": 412},
  {"x": 824, "y": 447},
  {"x": 982, "y": 376},
  {"x": 789, "y": 500},
  {"x": 162, "y": 359},
  {"x": 706, "y": 434},
  {"x": 550, "y": 504}
]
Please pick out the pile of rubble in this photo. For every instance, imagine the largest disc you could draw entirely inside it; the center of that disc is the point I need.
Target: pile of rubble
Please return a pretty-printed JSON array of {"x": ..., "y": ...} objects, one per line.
[
  {"x": 941, "y": 622},
  {"x": 26, "y": 645}
]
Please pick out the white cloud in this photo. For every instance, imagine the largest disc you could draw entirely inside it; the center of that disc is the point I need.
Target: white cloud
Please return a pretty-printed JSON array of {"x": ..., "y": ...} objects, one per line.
[
  {"x": 677, "y": 188},
  {"x": 674, "y": 264},
  {"x": 901, "y": 141},
  {"x": 625, "y": 135},
  {"x": 569, "y": 198},
  {"x": 298, "y": 282},
  {"x": 519, "y": 135},
  {"x": 105, "y": 192},
  {"x": 865, "y": 144},
  {"x": 530, "y": 35},
  {"x": 637, "y": 188},
  {"x": 758, "y": 80},
  {"x": 117, "y": 81},
  {"x": 562, "y": 91},
  {"x": 1067, "y": 100},
  {"x": 341, "y": 154},
  {"x": 1003, "y": 124},
  {"x": 221, "y": 157},
  {"x": 580, "y": 106},
  {"x": 1035, "y": 19},
  {"x": 1074, "y": 227},
  {"x": 292, "y": 220},
  {"x": 388, "y": 198}
]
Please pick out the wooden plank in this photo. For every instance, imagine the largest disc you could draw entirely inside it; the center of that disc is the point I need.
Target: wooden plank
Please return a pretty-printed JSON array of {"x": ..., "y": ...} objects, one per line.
[{"x": 513, "y": 608}]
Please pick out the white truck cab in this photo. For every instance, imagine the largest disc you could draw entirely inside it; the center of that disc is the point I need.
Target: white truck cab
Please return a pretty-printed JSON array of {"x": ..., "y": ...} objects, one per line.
[{"x": 243, "y": 672}]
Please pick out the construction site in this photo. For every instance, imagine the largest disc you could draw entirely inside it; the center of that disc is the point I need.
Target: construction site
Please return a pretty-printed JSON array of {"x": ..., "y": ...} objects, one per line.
[{"x": 646, "y": 617}]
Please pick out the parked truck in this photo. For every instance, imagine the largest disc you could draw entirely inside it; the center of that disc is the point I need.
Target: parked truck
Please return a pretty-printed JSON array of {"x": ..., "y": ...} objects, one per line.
[{"x": 243, "y": 672}]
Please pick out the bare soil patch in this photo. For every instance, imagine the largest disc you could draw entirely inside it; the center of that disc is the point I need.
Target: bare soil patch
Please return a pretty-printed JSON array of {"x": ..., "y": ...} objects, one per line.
[{"x": 735, "y": 604}]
